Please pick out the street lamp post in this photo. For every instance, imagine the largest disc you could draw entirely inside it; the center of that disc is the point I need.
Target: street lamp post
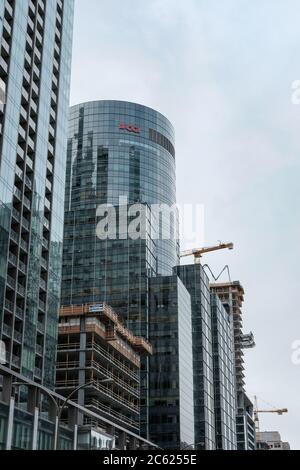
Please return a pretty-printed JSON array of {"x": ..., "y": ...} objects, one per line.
[{"x": 60, "y": 408}]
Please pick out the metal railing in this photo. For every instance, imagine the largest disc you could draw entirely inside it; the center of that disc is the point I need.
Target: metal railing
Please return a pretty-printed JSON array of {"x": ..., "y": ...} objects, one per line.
[
  {"x": 7, "y": 330},
  {"x": 14, "y": 236},
  {"x": 98, "y": 405},
  {"x": 19, "y": 313},
  {"x": 18, "y": 336},
  {"x": 16, "y": 361},
  {"x": 93, "y": 346},
  {"x": 21, "y": 289},
  {"x": 16, "y": 214},
  {"x": 40, "y": 326},
  {"x": 11, "y": 282},
  {"x": 95, "y": 365},
  {"x": 22, "y": 267},
  {"x": 13, "y": 259},
  {"x": 103, "y": 389},
  {"x": 9, "y": 305}
]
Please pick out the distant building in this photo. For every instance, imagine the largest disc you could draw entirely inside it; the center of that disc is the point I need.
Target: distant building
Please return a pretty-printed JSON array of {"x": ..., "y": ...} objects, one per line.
[{"x": 271, "y": 440}]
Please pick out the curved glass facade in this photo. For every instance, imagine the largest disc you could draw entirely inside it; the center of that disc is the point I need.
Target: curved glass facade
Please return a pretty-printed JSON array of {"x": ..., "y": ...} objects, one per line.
[
  {"x": 117, "y": 150},
  {"x": 119, "y": 154}
]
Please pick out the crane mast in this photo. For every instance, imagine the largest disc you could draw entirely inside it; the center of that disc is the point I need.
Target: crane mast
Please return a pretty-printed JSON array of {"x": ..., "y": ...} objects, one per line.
[{"x": 257, "y": 411}]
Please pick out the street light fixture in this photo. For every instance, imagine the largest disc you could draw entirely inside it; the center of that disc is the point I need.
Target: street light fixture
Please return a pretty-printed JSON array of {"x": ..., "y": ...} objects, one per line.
[{"x": 60, "y": 408}]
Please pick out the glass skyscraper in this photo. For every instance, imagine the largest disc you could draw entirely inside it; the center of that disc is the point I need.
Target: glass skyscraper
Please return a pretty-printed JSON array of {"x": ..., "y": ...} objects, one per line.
[
  {"x": 224, "y": 377},
  {"x": 36, "y": 43},
  {"x": 171, "y": 366},
  {"x": 197, "y": 283},
  {"x": 119, "y": 154}
]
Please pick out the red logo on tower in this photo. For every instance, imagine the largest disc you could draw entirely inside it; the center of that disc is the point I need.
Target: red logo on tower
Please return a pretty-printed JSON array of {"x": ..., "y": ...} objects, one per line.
[{"x": 125, "y": 127}]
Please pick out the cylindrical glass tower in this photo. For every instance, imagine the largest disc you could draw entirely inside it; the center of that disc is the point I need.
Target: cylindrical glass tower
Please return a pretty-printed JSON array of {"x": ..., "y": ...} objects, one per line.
[
  {"x": 119, "y": 154},
  {"x": 118, "y": 150}
]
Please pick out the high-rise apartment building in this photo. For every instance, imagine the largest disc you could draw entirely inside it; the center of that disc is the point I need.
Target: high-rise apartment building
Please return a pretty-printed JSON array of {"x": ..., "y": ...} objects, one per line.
[
  {"x": 119, "y": 154},
  {"x": 36, "y": 43}
]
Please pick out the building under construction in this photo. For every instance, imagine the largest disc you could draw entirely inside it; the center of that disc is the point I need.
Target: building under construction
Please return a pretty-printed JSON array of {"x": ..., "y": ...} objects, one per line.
[
  {"x": 232, "y": 297},
  {"x": 271, "y": 440},
  {"x": 96, "y": 350}
]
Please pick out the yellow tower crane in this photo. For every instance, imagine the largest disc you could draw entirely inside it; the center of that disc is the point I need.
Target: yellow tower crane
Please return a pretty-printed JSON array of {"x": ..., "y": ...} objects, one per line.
[
  {"x": 199, "y": 252},
  {"x": 280, "y": 412}
]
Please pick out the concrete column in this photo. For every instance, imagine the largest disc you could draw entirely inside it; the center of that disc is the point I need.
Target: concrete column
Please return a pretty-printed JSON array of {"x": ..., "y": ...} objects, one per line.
[
  {"x": 32, "y": 402},
  {"x": 56, "y": 435},
  {"x": 122, "y": 441},
  {"x": 75, "y": 437},
  {"x": 10, "y": 424},
  {"x": 7, "y": 388},
  {"x": 82, "y": 362},
  {"x": 35, "y": 429},
  {"x": 132, "y": 443}
]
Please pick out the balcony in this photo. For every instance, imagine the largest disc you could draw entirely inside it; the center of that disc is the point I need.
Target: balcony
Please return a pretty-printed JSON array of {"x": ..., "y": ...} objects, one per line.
[
  {"x": 42, "y": 306},
  {"x": 16, "y": 214},
  {"x": 21, "y": 290},
  {"x": 22, "y": 267},
  {"x": 46, "y": 223},
  {"x": 16, "y": 361},
  {"x": 24, "y": 245},
  {"x": 11, "y": 282},
  {"x": 17, "y": 194},
  {"x": 5, "y": 52},
  {"x": 43, "y": 285},
  {"x": 45, "y": 243},
  {"x": 39, "y": 349},
  {"x": 27, "y": 202},
  {"x": 49, "y": 167},
  {"x": 26, "y": 224},
  {"x": 22, "y": 134},
  {"x": 38, "y": 372},
  {"x": 19, "y": 313},
  {"x": 20, "y": 152},
  {"x": 44, "y": 264},
  {"x": 14, "y": 236},
  {"x": 13, "y": 259},
  {"x": 7, "y": 330},
  {"x": 18, "y": 336},
  {"x": 9, "y": 306},
  {"x": 28, "y": 182},
  {"x": 29, "y": 163},
  {"x": 19, "y": 173},
  {"x": 48, "y": 186},
  {"x": 41, "y": 327}
]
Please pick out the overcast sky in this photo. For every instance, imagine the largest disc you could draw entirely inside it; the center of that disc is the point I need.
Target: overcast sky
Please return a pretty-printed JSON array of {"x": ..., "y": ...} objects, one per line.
[{"x": 221, "y": 71}]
